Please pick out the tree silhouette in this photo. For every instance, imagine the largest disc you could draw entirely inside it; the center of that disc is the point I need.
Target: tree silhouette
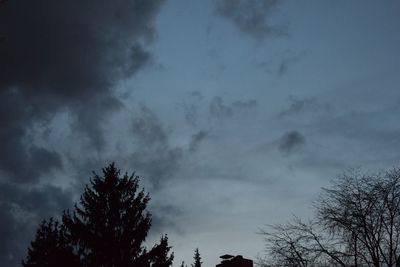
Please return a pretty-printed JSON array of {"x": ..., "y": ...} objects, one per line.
[
  {"x": 357, "y": 224},
  {"x": 106, "y": 229},
  {"x": 159, "y": 254},
  {"x": 51, "y": 247},
  {"x": 111, "y": 222},
  {"x": 197, "y": 258}
]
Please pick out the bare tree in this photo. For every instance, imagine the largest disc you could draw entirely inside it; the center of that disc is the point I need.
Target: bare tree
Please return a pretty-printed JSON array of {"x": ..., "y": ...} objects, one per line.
[
  {"x": 357, "y": 223},
  {"x": 304, "y": 244}
]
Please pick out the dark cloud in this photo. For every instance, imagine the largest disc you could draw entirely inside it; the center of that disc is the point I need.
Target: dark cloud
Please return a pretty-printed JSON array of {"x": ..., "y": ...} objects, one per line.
[
  {"x": 196, "y": 95},
  {"x": 191, "y": 107},
  {"x": 306, "y": 105},
  {"x": 89, "y": 117},
  {"x": 157, "y": 165},
  {"x": 250, "y": 16},
  {"x": 214, "y": 53},
  {"x": 148, "y": 129},
  {"x": 66, "y": 56},
  {"x": 21, "y": 209},
  {"x": 25, "y": 163},
  {"x": 196, "y": 139},
  {"x": 12, "y": 233},
  {"x": 290, "y": 141},
  {"x": 165, "y": 218},
  {"x": 245, "y": 105},
  {"x": 287, "y": 62},
  {"x": 190, "y": 112},
  {"x": 20, "y": 160},
  {"x": 46, "y": 200},
  {"x": 346, "y": 130},
  {"x": 58, "y": 57},
  {"x": 154, "y": 158},
  {"x": 219, "y": 110}
]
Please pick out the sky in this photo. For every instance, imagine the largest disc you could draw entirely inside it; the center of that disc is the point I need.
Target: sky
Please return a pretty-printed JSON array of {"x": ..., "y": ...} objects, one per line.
[{"x": 234, "y": 113}]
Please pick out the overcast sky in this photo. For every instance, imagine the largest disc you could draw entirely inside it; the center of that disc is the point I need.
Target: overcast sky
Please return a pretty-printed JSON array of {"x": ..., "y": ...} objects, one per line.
[{"x": 234, "y": 112}]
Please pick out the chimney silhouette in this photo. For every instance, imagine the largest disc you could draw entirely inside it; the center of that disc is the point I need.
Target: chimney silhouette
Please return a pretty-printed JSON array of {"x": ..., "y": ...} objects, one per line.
[{"x": 234, "y": 261}]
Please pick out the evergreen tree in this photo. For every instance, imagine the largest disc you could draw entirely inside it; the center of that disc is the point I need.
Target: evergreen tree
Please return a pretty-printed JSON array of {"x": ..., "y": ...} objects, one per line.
[
  {"x": 183, "y": 264},
  {"x": 197, "y": 259},
  {"x": 111, "y": 223},
  {"x": 106, "y": 229},
  {"x": 159, "y": 254},
  {"x": 51, "y": 247}
]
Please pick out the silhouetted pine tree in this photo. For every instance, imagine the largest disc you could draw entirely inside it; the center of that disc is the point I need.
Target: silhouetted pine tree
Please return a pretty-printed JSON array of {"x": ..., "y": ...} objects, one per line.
[
  {"x": 51, "y": 247},
  {"x": 106, "y": 229},
  {"x": 159, "y": 254},
  {"x": 197, "y": 259},
  {"x": 111, "y": 222},
  {"x": 183, "y": 264}
]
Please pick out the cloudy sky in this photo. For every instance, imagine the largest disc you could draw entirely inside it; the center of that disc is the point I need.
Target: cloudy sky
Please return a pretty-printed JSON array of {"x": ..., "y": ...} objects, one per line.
[{"x": 233, "y": 112}]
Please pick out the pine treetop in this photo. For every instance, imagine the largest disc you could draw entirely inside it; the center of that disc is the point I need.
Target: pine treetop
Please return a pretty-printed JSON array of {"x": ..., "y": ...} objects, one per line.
[{"x": 197, "y": 258}]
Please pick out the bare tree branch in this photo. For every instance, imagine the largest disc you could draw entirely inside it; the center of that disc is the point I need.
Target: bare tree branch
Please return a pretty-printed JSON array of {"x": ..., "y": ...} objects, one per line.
[{"x": 357, "y": 224}]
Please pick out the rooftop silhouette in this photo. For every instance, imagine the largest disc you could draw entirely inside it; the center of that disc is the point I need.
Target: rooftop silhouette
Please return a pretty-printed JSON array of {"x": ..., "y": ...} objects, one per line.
[{"x": 234, "y": 261}]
